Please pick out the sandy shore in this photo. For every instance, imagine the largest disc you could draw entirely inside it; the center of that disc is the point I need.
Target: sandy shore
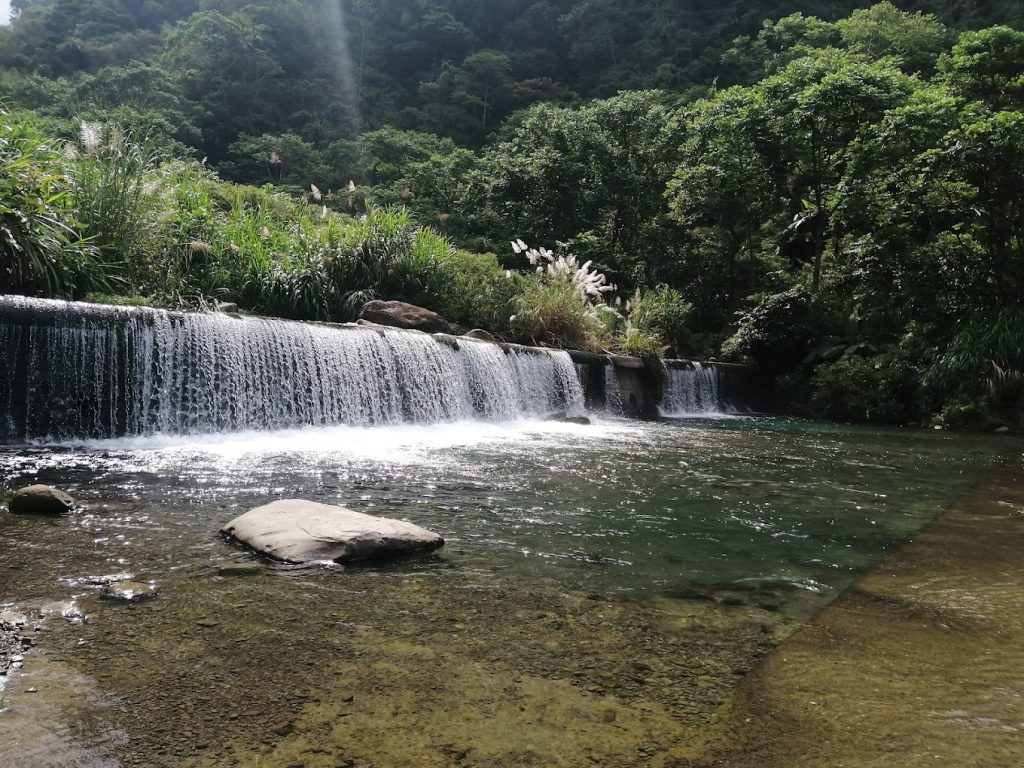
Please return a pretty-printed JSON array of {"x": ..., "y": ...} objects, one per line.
[{"x": 920, "y": 663}]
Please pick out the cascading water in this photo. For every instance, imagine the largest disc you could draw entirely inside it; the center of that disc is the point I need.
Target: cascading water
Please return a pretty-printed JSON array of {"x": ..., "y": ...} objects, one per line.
[
  {"x": 80, "y": 370},
  {"x": 612, "y": 394},
  {"x": 691, "y": 390}
]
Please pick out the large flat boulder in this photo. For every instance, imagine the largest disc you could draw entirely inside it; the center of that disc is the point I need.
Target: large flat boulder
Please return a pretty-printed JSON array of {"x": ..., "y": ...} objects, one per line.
[
  {"x": 398, "y": 314},
  {"x": 299, "y": 531}
]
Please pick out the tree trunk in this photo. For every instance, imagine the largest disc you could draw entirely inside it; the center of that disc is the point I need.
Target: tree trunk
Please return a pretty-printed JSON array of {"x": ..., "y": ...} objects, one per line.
[{"x": 819, "y": 249}]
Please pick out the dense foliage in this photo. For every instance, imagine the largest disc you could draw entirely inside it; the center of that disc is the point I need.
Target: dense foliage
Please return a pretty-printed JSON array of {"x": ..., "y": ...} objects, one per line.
[{"x": 836, "y": 197}]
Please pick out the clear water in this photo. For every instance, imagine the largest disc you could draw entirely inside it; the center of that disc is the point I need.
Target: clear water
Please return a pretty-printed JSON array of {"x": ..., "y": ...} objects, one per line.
[
  {"x": 575, "y": 556},
  {"x": 613, "y": 507}
]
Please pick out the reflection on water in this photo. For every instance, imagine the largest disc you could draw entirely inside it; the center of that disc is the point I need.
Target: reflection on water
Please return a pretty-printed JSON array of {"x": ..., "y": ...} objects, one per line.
[
  {"x": 574, "y": 553},
  {"x": 620, "y": 506}
]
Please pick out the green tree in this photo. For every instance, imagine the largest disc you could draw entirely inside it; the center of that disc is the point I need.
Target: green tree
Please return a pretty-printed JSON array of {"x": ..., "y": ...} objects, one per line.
[
  {"x": 988, "y": 66},
  {"x": 915, "y": 39},
  {"x": 221, "y": 64},
  {"x": 728, "y": 193},
  {"x": 277, "y": 159},
  {"x": 819, "y": 105},
  {"x": 423, "y": 171},
  {"x": 477, "y": 94},
  {"x": 592, "y": 176},
  {"x": 777, "y": 44}
]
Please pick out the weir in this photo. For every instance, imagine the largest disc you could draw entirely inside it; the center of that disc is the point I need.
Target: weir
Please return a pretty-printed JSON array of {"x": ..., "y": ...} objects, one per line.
[
  {"x": 691, "y": 389},
  {"x": 86, "y": 371}
]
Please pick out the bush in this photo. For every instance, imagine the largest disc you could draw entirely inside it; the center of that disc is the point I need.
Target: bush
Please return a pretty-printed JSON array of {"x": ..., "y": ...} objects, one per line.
[
  {"x": 777, "y": 333},
  {"x": 985, "y": 356},
  {"x": 118, "y": 300},
  {"x": 553, "y": 313},
  {"x": 966, "y": 415},
  {"x": 639, "y": 343},
  {"x": 882, "y": 389},
  {"x": 112, "y": 199},
  {"x": 663, "y": 315},
  {"x": 477, "y": 292}
]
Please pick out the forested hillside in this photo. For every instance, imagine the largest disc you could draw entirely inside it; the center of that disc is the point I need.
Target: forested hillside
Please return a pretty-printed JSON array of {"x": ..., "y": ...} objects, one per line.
[
  {"x": 326, "y": 70},
  {"x": 836, "y": 195}
]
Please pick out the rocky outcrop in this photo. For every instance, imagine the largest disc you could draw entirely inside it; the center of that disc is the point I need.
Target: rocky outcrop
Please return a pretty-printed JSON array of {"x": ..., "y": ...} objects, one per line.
[
  {"x": 299, "y": 531},
  {"x": 398, "y": 314},
  {"x": 40, "y": 500}
]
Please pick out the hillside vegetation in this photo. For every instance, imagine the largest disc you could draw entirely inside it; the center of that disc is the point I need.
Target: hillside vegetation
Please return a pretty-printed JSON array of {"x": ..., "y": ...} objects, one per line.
[{"x": 836, "y": 197}]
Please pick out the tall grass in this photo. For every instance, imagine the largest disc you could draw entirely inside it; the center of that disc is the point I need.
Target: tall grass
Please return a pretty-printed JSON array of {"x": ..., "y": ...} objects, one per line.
[
  {"x": 553, "y": 313},
  {"x": 43, "y": 250},
  {"x": 114, "y": 195}
]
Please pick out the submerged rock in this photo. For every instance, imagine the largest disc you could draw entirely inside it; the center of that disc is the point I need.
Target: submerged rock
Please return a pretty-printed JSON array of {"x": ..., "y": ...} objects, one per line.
[
  {"x": 40, "y": 500},
  {"x": 398, "y": 314},
  {"x": 567, "y": 418},
  {"x": 300, "y": 531},
  {"x": 240, "y": 569},
  {"x": 129, "y": 592},
  {"x": 63, "y": 609},
  {"x": 449, "y": 341},
  {"x": 479, "y": 333}
]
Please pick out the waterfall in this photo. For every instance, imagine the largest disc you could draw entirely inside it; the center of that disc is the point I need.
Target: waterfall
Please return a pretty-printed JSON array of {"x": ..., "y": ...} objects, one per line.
[
  {"x": 691, "y": 390},
  {"x": 612, "y": 394},
  {"x": 80, "y": 370}
]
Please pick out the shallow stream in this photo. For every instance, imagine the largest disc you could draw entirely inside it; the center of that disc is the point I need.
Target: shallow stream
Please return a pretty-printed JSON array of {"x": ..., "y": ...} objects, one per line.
[{"x": 602, "y": 589}]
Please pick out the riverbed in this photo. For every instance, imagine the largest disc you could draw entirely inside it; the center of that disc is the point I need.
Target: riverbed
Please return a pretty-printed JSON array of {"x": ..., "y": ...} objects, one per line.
[{"x": 603, "y": 592}]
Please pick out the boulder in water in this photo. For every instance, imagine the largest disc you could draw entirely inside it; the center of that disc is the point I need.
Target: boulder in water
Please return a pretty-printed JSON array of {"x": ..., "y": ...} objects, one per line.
[
  {"x": 40, "y": 500},
  {"x": 129, "y": 592},
  {"x": 300, "y": 531},
  {"x": 398, "y": 314},
  {"x": 567, "y": 418}
]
